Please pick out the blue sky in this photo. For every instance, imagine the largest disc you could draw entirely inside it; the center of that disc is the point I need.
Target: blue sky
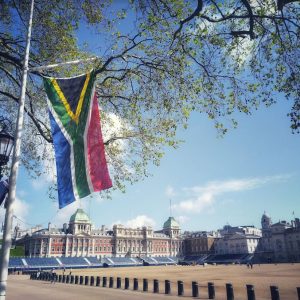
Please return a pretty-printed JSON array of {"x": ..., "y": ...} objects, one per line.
[{"x": 211, "y": 181}]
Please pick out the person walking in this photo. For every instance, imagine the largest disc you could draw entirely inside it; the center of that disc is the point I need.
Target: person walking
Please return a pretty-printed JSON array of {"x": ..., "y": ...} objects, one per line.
[{"x": 52, "y": 276}]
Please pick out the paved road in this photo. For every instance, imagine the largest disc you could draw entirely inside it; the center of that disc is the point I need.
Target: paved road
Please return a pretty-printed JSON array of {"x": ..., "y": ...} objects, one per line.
[{"x": 21, "y": 287}]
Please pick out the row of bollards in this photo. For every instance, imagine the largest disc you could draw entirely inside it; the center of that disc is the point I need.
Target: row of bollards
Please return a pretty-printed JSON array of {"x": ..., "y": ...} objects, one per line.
[{"x": 96, "y": 281}]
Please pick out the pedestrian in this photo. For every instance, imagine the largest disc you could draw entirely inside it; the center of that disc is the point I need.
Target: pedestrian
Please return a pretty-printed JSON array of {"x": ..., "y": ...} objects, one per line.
[{"x": 52, "y": 275}]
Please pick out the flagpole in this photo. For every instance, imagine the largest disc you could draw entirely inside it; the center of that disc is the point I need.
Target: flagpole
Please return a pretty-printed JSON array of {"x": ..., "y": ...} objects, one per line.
[
  {"x": 6, "y": 243},
  {"x": 72, "y": 62}
]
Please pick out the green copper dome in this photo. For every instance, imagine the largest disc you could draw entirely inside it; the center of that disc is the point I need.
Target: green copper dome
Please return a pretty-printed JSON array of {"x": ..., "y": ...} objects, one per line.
[
  {"x": 171, "y": 223},
  {"x": 80, "y": 217}
]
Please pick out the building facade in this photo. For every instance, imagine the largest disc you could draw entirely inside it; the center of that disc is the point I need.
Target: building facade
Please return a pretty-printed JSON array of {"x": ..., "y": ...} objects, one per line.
[
  {"x": 280, "y": 241},
  {"x": 199, "y": 243},
  {"x": 79, "y": 238}
]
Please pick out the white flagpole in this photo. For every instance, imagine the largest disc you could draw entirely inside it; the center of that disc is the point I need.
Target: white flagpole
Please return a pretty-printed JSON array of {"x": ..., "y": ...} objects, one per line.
[
  {"x": 72, "y": 62},
  {"x": 6, "y": 243}
]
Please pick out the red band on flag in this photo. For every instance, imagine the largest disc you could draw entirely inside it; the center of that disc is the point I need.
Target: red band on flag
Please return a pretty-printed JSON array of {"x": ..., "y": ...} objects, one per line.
[{"x": 96, "y": 155}]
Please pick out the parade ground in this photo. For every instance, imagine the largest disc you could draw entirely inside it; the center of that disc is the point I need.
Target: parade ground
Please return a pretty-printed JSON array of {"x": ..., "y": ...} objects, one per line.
[{"x": 285, "y": 276}]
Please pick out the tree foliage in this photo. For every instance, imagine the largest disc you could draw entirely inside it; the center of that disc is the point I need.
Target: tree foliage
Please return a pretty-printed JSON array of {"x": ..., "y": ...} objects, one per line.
[{"x": 157, "y": 62}]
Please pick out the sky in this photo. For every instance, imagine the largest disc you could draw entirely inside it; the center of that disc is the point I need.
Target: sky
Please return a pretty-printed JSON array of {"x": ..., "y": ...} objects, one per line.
[{"x": 210, "y": 181}]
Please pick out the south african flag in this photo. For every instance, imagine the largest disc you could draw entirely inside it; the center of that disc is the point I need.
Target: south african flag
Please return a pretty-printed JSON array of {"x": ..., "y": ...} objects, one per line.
[{"x": 75, "y": 124}]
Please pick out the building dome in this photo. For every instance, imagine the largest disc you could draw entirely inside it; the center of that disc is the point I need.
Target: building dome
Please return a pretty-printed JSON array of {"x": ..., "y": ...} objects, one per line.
[
  {"x": 171, "y": 223},
  {"x": 80, "y": 217}
]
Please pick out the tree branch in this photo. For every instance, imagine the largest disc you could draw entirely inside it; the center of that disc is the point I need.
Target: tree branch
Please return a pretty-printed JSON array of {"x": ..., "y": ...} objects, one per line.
[
  {"x": 250, "y": 32},
  {"x": 32, "y": 117},
  {"x": 189, "y": 18}
]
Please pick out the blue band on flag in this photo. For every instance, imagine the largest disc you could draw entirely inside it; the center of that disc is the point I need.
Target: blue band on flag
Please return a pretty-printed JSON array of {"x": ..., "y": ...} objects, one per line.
[{"x": 63, "y": 165}]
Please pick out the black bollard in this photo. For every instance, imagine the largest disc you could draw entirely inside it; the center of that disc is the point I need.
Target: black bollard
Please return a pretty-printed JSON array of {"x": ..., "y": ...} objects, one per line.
[
  {"x": 250, "y": 292},
  {"x": 81, "y": 279},
  {"x": 145, "y": 285},
  {"x": 76, "y": 279},
  {"x": 155, "y": 286},
  {"x": 111, "y": 282},
  {"x": 135, "y": 284},
  {"x": 119, "y": 282},
  {"x": 211, "y": 290},
  {"x": 98, "y": 281},
  {"x": 195, "y": 289},
  {"x": 86, "y": 280},
  {"x": 104, "y": 281},
  {"x": 68, "y": 279},
  {"x": 274, "y": 292},
  {"x": 298, "y": 292},
  {"x": 92, "y": 282},
  {"x": 167, "y": 287},
  {"x": 180, "y": 288},
  {"x": 229, "y": 291},
  {"x": 59, "y": 278},
  {"x": 72, "y": 279},
  {"x": 64, "y": 278},
  {"x": 126, "y": 286}
]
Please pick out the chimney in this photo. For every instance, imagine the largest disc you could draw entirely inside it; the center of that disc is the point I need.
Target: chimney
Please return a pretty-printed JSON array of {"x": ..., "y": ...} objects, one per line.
[{"x": 49, "y": 225}]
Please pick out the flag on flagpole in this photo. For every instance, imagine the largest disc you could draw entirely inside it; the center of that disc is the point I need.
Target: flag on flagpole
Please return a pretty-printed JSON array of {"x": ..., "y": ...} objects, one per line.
[
  {"x": 3, "y": 190},
  {"x": 75, "y": 124}
]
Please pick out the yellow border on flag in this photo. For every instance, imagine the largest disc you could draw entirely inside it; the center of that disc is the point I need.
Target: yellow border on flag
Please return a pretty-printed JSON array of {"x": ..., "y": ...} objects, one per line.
[{"x": 74, "y": 117}]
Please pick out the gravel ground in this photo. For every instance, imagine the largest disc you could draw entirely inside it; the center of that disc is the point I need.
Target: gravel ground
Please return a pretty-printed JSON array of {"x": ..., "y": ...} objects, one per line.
[{"x": 285, "y": 276}]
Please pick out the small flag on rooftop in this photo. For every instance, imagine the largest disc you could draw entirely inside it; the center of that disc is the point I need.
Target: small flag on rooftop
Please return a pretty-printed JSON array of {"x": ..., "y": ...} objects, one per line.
[{"x": 75, "y": 125}]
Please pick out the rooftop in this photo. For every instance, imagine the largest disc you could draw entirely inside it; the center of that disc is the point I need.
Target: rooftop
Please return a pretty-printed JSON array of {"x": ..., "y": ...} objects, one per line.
[
  {"x": 80, "y": 217},
  {"x": 171, "y": 223}
]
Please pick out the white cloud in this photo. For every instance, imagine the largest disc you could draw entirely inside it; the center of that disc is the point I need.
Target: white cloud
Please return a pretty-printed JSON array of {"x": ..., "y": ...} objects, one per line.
[
  {"x": 200, "y": 198},
  {"x": 182, "y": 219},
  {"x": 170, "y": 192},
  {"x": 63, "y": 215},
  {"x": 20, "y": 212},
  {"x": 21, "y": 208},
  {"x": 138, "y": 221}
]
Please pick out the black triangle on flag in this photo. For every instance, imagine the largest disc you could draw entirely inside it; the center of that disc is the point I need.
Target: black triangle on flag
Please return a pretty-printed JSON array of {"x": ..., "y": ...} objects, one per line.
[{"x": 71, "y": 88}]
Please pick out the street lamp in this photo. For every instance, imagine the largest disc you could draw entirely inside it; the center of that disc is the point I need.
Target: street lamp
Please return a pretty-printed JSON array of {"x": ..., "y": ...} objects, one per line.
[{"x": 6, "y": 145}]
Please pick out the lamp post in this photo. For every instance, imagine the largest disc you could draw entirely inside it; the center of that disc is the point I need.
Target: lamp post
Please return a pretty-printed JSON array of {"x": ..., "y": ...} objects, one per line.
[{"x": 6, "y": 146}]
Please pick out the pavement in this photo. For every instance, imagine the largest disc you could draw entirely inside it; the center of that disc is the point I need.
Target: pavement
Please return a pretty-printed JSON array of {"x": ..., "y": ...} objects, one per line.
[{"x": 21, "y": 287}]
